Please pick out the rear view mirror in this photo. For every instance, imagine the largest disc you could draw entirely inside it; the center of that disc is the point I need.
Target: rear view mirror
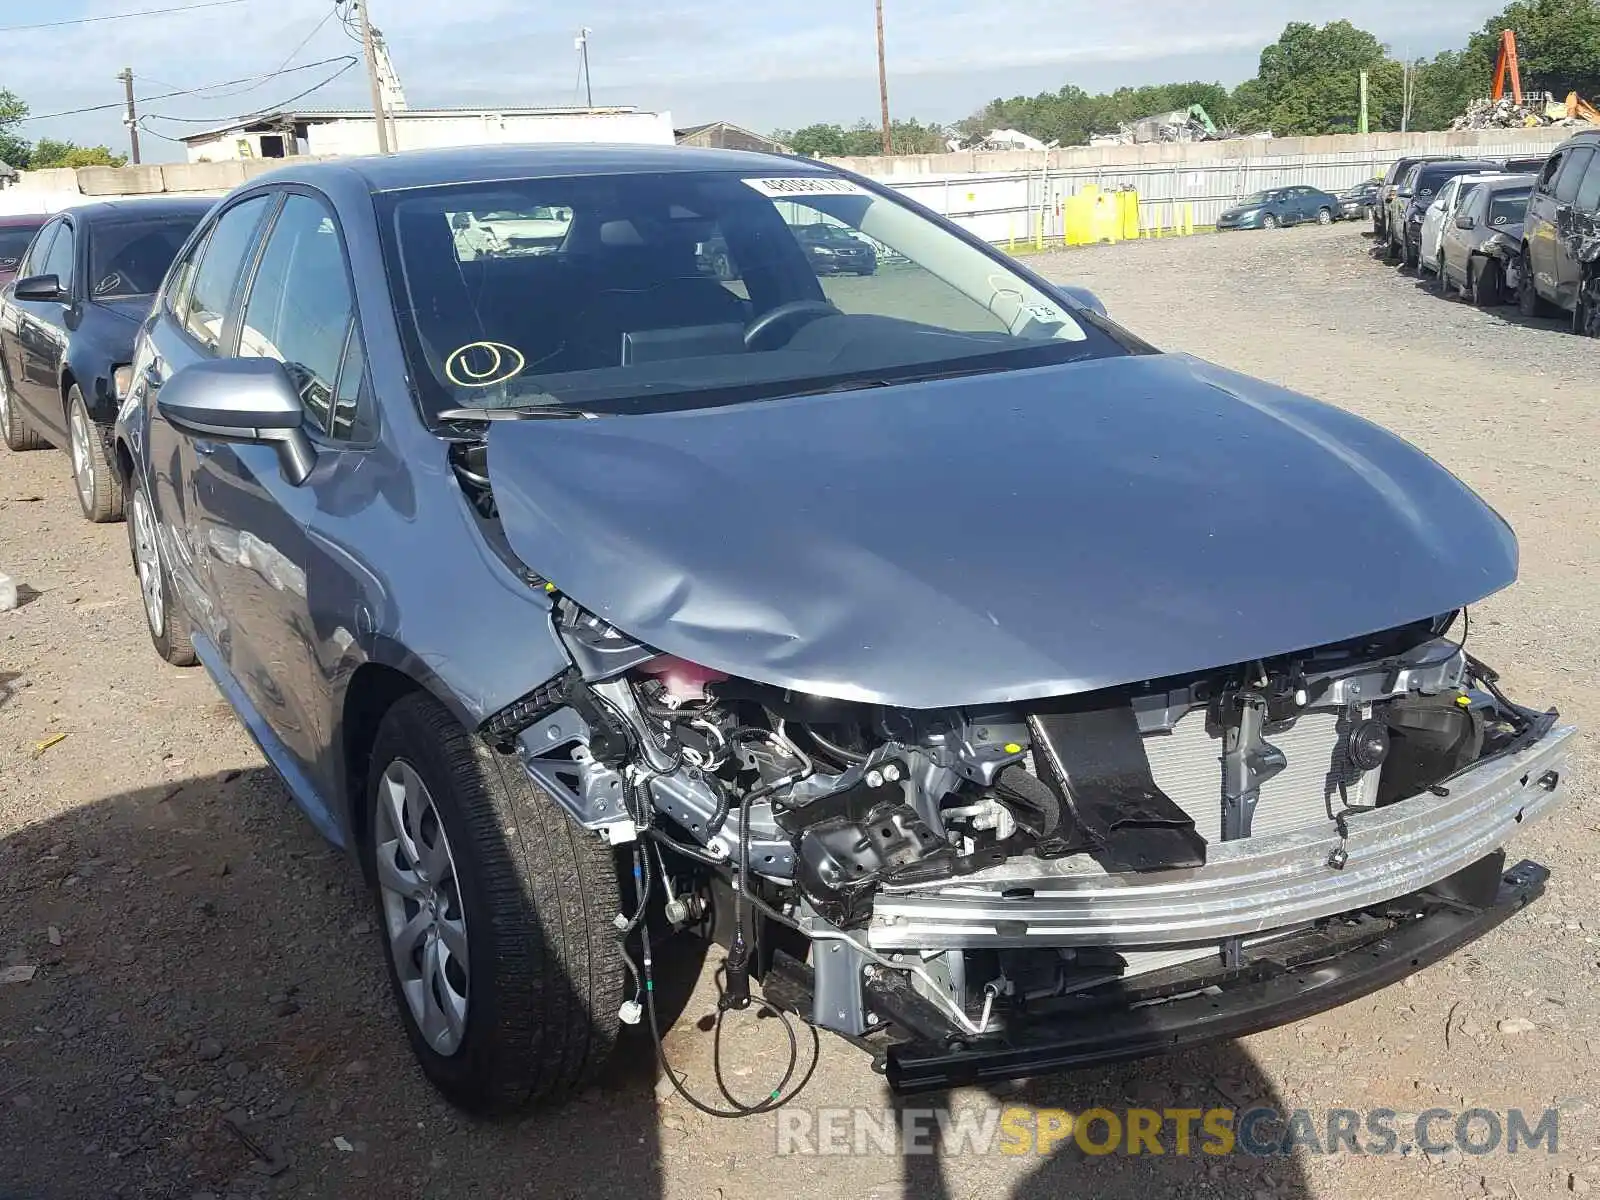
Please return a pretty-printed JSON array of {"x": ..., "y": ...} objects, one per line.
[
  {"x": 39, "y": 287},
  {"x": 1466, "y": 222},
  {"x": 241, "y": 400},
  {"x": 1083, "y": 297}
]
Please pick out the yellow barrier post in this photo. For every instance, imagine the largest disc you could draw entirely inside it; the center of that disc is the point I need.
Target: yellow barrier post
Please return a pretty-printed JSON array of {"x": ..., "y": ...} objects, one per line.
[
  {"x": 1188, "y": 219},
  {"x": 1011, "y": 233},
  {"x": 1038, "y": 230}
]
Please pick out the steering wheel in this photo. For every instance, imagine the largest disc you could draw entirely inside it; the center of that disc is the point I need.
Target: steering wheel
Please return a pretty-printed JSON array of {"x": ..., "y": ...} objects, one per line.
[
  {"x": 110, "y": 285},
  {"x": 811, "y": 310}
]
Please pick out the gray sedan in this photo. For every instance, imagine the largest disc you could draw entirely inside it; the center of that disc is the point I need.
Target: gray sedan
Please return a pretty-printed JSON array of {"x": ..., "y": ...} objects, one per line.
[{"x": 946, "y": 650}]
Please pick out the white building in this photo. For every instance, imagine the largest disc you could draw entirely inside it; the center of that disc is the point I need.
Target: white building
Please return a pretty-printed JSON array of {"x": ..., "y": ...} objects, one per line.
[{"x": 352, "y": 131}]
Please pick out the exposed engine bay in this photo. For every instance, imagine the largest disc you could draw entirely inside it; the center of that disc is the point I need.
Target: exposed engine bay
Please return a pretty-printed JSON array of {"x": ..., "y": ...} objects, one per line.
[{"x": 825, "y": 815}]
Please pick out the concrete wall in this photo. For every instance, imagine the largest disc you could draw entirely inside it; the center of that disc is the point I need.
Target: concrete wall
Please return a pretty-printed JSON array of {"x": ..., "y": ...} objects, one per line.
[
  {"x": 1013, "y": 195},
  {"x": 1383, "y": 147}
]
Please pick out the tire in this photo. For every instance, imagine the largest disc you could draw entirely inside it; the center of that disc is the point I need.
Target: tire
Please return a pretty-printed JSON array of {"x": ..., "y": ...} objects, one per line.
[
  {"x": 163, "y": 612},
  {"x": 18, "y": 434},
  {"x": 1586, "y": 317},
  {"x": 99, "y": 490},
  {"x": 1529, "y": 302},
  {"x": 1438, "y": 271},
  {"x": 532, "y": 905},
  {"x": 1412, "y": 255},
  {"x": 1324, "y": 216},
  {"x": 1486, "y": 285},
  {"x": 1269, "y": 222}
]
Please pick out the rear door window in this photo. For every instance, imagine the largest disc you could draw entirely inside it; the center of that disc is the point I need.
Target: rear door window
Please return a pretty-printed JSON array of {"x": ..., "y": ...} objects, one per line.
[
  {"x": 1572, "y": 172},
  {"x": 220, "y": 267}
]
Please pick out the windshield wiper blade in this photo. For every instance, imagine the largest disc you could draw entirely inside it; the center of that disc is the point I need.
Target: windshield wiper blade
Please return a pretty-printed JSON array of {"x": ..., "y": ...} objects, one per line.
[{"x": 531, "y": 413}]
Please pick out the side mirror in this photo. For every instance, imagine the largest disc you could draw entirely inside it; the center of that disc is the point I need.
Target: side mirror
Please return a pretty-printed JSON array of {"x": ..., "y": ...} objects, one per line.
[
  {"x": 1466, "y": 222},
  {"x": 1404, "y": 193},
  {"x": 1082, "y": 297},
  {"x": 241, "y": 400},
  {"x": 39, "y": 287}
]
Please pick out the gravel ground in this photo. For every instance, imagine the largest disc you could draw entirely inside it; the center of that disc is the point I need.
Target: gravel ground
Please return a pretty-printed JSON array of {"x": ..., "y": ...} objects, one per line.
[{"x": 208, "y": 1013}]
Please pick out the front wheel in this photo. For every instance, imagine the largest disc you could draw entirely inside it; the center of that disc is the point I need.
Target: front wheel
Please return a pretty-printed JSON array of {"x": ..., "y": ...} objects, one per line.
[
  {"x": 99, "y": 490},
  {"x": 1586, "y": 320},
  {"x": 495, "y": 910},
  {"x": 1269, "y": 222},
  {"x": 1439, "y": 278},
  {"x": 1484, "y": 284},
  {"x": 1529, "y": 302},
  {"x": 1324, "y": 216}
]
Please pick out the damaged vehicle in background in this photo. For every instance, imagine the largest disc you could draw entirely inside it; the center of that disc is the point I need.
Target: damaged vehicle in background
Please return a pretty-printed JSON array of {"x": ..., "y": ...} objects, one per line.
[
  {"x": 1480, "y": 252},
  {"x": 932, "y": 646},
  {"x": 1559, "y": 268},
  {"x": 1415, "y": 196}
]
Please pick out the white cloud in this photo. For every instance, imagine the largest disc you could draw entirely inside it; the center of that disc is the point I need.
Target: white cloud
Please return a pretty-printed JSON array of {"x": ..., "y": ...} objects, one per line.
[{"x": 512, "y": 51}]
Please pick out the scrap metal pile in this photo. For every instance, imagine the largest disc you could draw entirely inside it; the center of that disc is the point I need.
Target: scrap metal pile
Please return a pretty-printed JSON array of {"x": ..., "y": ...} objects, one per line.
[{"x": 1537, "y": 111}]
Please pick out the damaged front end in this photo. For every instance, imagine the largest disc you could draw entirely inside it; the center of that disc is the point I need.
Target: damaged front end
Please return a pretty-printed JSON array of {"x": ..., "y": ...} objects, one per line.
[{"x": 987, "y": 891}]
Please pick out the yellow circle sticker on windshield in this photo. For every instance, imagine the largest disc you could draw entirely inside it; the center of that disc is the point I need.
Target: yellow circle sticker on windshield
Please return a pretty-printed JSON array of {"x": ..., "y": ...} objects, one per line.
[{"x": 483, "y": 364}]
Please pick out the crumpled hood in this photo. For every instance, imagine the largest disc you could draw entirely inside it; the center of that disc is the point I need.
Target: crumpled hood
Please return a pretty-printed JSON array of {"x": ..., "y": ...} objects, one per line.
[{"x": 998, "y": 537}]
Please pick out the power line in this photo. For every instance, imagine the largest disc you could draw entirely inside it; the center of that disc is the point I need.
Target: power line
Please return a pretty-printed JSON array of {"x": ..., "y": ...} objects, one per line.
[
  {"x": 346, "y": 59},
  {"x": 148, "y": 12}
]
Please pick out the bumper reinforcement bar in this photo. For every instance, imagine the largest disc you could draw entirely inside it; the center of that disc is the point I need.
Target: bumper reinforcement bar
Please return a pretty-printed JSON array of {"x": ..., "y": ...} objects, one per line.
[{"x": 1275, "y": 988}]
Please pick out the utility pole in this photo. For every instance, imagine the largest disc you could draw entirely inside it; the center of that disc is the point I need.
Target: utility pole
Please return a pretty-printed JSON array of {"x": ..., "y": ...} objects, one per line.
[
  {"x": 582, "y": 41},
  {"x": 1361, "y": 127},
  {"x": 883, "y": 84},
  {"x": 132, "y": 119},
  {"x": 378, "y": 115}
]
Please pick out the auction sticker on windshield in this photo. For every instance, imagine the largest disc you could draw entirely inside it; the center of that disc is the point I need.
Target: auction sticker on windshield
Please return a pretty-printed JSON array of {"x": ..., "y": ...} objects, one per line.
[{"x": 806, "y": 185}]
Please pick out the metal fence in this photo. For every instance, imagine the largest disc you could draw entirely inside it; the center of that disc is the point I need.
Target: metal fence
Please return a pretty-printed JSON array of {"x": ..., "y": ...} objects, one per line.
[{"x": 1020, "y": 205}]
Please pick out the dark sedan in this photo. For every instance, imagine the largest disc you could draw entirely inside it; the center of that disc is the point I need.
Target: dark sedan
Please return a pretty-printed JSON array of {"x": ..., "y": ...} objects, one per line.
[
  {"x": 15, "y": 234},
  {"x": 1281, "y": 206},
  {"x": 1359, "y": 202},
  {"x": 834, "y": 250},
  {"x": 942, "y": 654},
  {"x": 67, "y": 325}
]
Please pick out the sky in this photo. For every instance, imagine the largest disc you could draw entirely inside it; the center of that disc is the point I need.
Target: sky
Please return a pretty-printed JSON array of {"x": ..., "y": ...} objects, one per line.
[{"x": 764, "y": 65}]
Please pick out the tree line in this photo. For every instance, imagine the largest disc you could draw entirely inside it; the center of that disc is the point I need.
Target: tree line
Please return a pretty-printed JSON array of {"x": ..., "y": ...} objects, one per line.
[
  {"x": 17, "y": 151},
  {"x": 1307, "y": 82}
]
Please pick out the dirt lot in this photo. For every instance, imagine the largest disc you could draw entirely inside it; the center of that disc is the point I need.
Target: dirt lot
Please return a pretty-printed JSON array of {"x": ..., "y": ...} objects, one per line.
[{"x": 209, "y": 1013}]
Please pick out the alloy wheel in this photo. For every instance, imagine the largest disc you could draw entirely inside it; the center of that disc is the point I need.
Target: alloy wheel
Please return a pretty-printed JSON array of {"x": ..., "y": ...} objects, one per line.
[
  {"x": 82, "y": 457},
  {"x": 147, "y": 560},
  {"x": 423, "y": 915},
  {"x": 1324, "y": 217}
]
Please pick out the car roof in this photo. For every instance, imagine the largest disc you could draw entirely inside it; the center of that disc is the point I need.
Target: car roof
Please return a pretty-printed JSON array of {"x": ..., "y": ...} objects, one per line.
[
  {"x": 141, "y": 206},
  {"x": 488, "y": 164}
]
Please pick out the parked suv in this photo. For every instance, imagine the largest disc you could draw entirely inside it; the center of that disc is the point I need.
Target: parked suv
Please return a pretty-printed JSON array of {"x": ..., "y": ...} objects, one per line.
[{"x": 1561, "y": 236}]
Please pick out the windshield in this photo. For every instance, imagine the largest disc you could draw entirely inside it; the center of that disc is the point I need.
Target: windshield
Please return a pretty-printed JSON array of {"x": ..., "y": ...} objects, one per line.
[
  {"x": 1508, "y": 208},
  {"x": 130, "y": 257},
  {"x": 691, "y": 288},
  {"x": 13, "y": 242},
  {"x": 1253, "y": 200}
]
